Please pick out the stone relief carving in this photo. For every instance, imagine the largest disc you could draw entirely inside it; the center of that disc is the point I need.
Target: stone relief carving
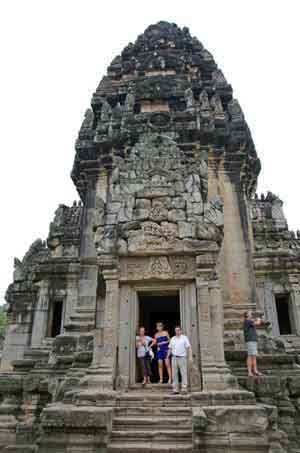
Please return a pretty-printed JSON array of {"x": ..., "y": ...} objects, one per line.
[
  {"x": 157, "y": 267},
  {"x": 270, "y": 227},
  {"x": 156, "y": 201}
]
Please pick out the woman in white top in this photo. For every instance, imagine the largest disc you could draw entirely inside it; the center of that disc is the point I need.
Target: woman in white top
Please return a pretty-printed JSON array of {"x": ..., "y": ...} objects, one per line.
[{"x": 143, "y": 345}]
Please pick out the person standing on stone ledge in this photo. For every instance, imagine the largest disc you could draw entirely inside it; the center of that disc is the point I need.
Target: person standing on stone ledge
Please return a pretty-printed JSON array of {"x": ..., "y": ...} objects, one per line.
[
  {"x": 250, "y": 335},
  {"x": 143, "y": 348},
  {"x": 162, "y": 339},
  {"x": 180, "y": 348}
]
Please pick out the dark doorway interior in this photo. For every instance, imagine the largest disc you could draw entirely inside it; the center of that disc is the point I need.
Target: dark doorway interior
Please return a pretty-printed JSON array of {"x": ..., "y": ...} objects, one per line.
[
  {"x": 55, "y": 318},
  {"x": 154, "y": 307},
  {"x": 283, "y": 313}
]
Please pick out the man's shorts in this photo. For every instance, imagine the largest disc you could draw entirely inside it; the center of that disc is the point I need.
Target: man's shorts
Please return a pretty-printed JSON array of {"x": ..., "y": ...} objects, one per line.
[{"x": 252, "y": 347}]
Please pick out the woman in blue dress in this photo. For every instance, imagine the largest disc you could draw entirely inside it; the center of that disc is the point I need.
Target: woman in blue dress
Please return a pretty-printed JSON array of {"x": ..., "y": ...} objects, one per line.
[{"x": 162, "y": 339}]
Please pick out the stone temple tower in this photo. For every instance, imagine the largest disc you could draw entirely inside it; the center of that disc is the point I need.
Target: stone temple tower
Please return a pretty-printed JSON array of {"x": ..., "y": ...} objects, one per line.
[{"x": 168, "y": 228}]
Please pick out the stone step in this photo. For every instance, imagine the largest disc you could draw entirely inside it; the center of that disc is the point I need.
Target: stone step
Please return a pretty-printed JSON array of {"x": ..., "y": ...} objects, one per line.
[
  {"x": 82, "y": 327},
  {"x": 19, "y": 449},
  {"x": 164, "y": 411},
  {"x": 173, "y": 422},
  {"x": 151, "y": 388},
  {"x": 153, "y": 399},
  {"x": 160, "y": 435},
  {"x": 146, "y": 447},
  {"x": 82, "y": 318}
]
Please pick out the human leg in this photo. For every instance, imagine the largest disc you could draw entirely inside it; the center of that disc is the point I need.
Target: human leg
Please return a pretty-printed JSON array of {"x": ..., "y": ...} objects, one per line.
[
  {"x": 161, "y": 370},
  {"x": 249, "y": 365},
  {"x": 183, "y": 372},
  {"x": 251, "y": 359},
  {"x": 144, "y": 369},
  {"x": 148, "y": 368},
  {"x": 175, "y": 374},
  {"x": 168, "y": 366}
]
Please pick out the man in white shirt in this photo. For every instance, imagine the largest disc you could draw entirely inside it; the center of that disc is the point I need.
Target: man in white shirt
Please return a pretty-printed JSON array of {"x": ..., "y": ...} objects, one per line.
[{"x": 180, "y": 348}]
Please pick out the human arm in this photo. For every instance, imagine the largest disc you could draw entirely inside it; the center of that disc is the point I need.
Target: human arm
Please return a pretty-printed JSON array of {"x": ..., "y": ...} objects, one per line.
[
  {"x": 257, "y": 321},
  {"x": 138, "y": 342},
  {"x": 169, "y": 350},
  {"x": 152, "y": 342},
  {"x": 189, "y": 349}
]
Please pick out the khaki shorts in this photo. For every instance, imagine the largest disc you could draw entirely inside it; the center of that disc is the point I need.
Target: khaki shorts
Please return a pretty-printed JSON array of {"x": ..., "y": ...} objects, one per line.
[{"x": 252, "y": 347}]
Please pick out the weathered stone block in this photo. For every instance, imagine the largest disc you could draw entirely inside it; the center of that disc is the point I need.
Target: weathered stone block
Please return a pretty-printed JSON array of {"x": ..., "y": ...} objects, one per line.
[
  {"x": 176, "y": 215},
  {"x": 186, "y": 230},
  {"x": 143, "y": 203},
  {"x": 178, "y": 203},
  {"x": 141, "y": 214}
]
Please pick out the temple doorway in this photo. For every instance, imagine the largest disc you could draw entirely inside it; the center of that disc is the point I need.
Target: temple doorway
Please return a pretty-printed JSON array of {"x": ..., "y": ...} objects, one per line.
[{"x": 158, "y": 307}]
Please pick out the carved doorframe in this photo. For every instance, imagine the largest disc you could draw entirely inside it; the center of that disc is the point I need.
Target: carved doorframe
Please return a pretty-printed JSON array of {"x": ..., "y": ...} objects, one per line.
[{"x": 129, "y": 319}]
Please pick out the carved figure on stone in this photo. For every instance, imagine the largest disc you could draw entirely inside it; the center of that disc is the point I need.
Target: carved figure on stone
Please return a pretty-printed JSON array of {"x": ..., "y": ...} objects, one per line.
[
  {"x": 189, "y": 98},
  {"x": 130, "y": 100},
  {"x": 106, "y": 111},
  {"x": 88, "y": 121},
  {"x": 99, "y": 213},
  {"x": 235, "y": 111},
  {"x": 18, "y": 270},
  {"x": 213, "y": 212},
  {"x": 159, "y": 267},
  {"x": 204, "y": 101},
  {"x": 218, "y": 77},
  {"x": 216, "y": 104}
]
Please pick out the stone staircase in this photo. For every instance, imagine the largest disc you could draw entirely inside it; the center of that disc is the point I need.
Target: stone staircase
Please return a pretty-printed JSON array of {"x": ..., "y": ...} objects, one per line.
[
  {"x": 292, "y": 343},
  {"x": 152, "y": 420},
  {"x": 82, "y": 320}
]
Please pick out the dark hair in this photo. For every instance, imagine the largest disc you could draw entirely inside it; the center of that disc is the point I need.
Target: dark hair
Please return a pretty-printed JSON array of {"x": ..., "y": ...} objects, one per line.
[
  {"x": 246, "y": 314},
  {"x": 177, "y": 327}
]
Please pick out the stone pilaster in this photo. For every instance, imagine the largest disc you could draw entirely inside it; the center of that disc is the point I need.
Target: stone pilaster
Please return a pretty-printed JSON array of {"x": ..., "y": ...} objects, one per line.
[
  {"x": 239, "y": 292},
  {"x": 102, "y": 372},
  {"x": 39, "y": 329},
  {"x": 215, "y": 373},
  {"x": 295, "y": 303},
  {"x": 269, "y": 307}
]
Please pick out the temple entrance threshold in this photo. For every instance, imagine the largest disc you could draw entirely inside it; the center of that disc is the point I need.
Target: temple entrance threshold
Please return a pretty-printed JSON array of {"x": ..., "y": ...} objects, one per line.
[
  {"x": 144, "y": 303},
  {"x": 158, "y": 307}
]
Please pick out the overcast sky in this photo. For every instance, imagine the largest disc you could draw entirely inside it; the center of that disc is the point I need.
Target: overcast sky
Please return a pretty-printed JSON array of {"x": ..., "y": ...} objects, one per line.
[{"x": 54, "y": 53}]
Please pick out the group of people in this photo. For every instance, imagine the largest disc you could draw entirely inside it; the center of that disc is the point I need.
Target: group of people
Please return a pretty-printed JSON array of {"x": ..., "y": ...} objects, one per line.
[{"x": 177, "y": 348}]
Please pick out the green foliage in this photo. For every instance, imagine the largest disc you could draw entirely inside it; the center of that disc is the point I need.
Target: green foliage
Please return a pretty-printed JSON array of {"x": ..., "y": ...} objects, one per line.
[{"x": 3, "y": 322}]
